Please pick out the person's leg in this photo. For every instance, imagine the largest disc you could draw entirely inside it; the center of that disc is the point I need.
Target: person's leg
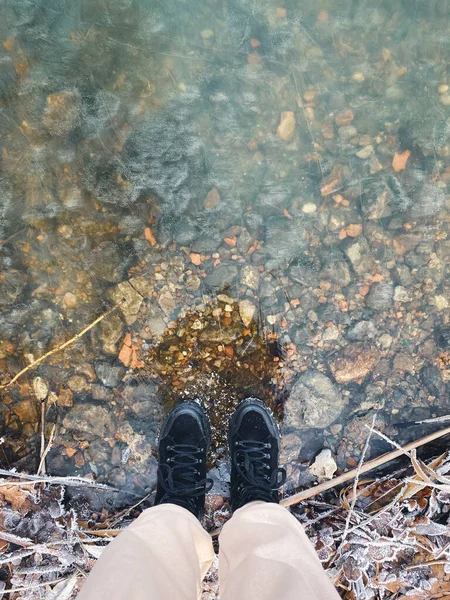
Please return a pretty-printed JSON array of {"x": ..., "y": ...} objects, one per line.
[
  {"x": 165, "y": 553},
  {"x": 264, "y": 552},
  {"x": 265, "y": 555}
]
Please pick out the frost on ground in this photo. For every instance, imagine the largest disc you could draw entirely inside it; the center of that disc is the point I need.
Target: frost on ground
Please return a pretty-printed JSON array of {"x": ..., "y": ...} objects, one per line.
[{"x": 392, "y": 542}]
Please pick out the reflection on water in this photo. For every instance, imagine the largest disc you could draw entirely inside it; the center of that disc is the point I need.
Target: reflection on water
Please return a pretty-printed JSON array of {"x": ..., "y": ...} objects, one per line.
[{"x": 262, "y": 186}]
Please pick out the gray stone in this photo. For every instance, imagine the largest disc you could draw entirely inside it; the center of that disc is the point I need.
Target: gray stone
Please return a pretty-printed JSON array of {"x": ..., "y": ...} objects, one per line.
[
  {"x": 254, "y": 222},
  {"x": 145, "y": 402},
  {"x": 291, "y": 444},
  {"x": 12, "y": 285},
  {"x": 129, "y": 299},
  {"x": 364, "y": 330},
  {"x": 354, "y": 363},
  {"x": 244, "y": 242},
  {"x": 428, "y": 201},
  {"x": 313, "y": 402},
  {"x": 366, "y": 152},
  {"x": 381, "y": 296},
  {"x": 111, "y": 331},
  {"x": 155, "y": 323},
  {"x": 220, "y": 335},
  {"x": 250, "y": 277},
  {"x": 98, "y": 452},
  {"x": 401, "y": 294},
  {"x": 337, "y": 272},
  {"x": 305, "y": 270},
  {"x": 347, "y": 132},
  {"x": 385, "y": 340},
  {"x": 431, "y": 377},
  {"x": 360, "y": 256},
  {"x": 108, "y": 374},
  {"x": 62, "y": 113},
  {"x": 93, "y": 420},
  {"x": 99, "y": 392},
  {"x": 207, "y": 244},
  {"x": 404, "y": 275},
  {"x": 106, "y": 264},
  {"x": 285, "y": 240},
  {"x": 222, "y": 276}
]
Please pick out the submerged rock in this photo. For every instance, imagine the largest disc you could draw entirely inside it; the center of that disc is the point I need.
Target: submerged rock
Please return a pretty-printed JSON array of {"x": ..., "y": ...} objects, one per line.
[
  {"x": 313, "y": 402},
  {"x": 336, "y": 271},
  {"x": 62, "y": 113},
  {"x": 129, "y": 300},
  {"x": 222, "y": 276},
  {"x": 360, "y": 256},
  {"x": 285, "y": 240},
  {"x": 364, "y": 330},
  {"x": 356, "y": 363},
  {"x": 109, "y": 375},
  {"x": 246, "y": 311},
  {"x": 12, "y": 284},
  {"x": 381, "y": 296},
  {"x": 93, "y": 420}
]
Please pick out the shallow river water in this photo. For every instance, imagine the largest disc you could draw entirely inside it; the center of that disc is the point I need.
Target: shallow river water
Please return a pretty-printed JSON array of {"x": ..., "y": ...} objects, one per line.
[{"x": 254, "y": 195}]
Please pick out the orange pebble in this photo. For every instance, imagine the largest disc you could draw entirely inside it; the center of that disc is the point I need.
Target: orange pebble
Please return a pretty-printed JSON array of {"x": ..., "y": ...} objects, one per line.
[{"x": 364, "y": 290}]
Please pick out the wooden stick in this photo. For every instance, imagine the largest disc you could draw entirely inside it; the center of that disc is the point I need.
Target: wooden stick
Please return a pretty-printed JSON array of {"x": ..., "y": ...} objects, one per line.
[
  {"x": 42, "y": 468},
  {"x": 55, "y": 350},
  {"x": 372, "y": 464}
]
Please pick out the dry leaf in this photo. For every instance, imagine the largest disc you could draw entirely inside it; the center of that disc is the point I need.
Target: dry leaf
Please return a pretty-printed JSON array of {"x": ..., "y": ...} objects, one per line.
[
  {"x": 286, "y": 127},
  {"x": 332, "y": 182},
  {"x": 17, "y": 495},
  {"x": 125, "y": 355},
  {"x": 148, "y": 233},
  {"x": 399, "y": 161},
  {"x": 354, "y": 229},
  {"x": 196, "y": 259},
  {"x": 230, "y": 241}
]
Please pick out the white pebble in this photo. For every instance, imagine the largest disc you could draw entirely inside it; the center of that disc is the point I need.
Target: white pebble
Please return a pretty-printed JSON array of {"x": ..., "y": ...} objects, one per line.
[
  {"x": 309, "y": 208},
  {"x": 440, "y": 302}
]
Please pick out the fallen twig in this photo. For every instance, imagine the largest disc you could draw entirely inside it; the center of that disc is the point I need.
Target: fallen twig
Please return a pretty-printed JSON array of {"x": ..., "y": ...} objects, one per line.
[
  {"x": 41, "y": 469},
  {"x": 372, "y": 464},
  {"x": 55, "y": 350},
  {"x": 357, "y": 475},
  {"x": 75, "y": 481},
  {"x": 32, "y": 587}
]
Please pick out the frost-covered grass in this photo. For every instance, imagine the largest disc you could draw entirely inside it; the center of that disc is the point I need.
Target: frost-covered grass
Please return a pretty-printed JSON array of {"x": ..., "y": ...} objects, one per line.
[{"x": 391, "y": 541}]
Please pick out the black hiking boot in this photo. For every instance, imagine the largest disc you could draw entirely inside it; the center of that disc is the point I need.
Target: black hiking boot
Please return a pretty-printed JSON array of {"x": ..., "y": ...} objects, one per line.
[
  {"x": 183, "y": 447},
  {"x": 254, "y": 447}
]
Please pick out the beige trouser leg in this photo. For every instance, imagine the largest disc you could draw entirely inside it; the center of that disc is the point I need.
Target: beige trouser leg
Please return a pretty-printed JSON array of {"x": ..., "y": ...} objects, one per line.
[
  {"x": 266, "y": 555},
  {"x": 165, "y": 553}
]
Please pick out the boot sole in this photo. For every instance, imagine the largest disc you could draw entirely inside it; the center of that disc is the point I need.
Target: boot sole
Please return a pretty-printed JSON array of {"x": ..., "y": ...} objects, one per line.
[
  {"x": 258, "y": 404},
  {"x": 188, "y": 407}
]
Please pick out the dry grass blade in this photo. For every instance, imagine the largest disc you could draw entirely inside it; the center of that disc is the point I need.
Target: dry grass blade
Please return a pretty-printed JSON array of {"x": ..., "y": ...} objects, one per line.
[{"x": 59, "y": 348}]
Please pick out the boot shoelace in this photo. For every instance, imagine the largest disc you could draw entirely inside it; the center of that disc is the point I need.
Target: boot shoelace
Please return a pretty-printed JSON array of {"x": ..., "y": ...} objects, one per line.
[
  {"x": 252, "y": 463},
  {"x": 178, "y": 476}
]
